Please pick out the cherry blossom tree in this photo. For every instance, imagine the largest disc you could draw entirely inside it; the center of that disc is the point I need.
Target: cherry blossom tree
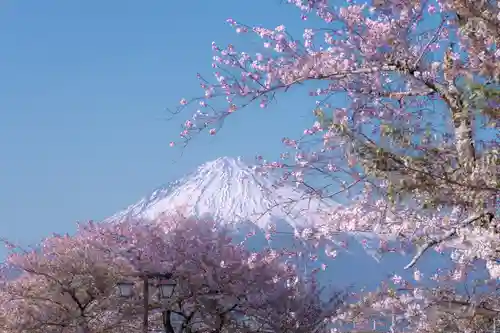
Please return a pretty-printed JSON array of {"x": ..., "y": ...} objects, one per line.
[
  {"x": 221, "y": 287},
  {"x": 405, "y": 126},
  {"x": 406, "y": 115},
  {"x": 64, "y": 285},
  {"x": 69, "y": 284}
]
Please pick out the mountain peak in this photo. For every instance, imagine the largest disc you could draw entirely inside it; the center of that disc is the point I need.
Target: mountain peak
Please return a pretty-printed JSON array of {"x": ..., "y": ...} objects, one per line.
[
  {"x": 230, "y": 191},
  {"x": 225, "y": 163}
]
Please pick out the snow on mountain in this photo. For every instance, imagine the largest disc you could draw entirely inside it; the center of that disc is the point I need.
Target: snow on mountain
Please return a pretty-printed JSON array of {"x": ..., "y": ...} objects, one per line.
[{"x": 232, "y": 192}]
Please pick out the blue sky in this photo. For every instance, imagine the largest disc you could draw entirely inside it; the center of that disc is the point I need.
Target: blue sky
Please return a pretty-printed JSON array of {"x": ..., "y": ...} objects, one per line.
[{"x": 83, "y": 131}]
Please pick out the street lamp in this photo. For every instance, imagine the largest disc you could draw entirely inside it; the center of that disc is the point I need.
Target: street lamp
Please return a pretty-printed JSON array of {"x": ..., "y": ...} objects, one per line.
[
  {"x": 166, "y": 288},
  {"x": 165, "y": 285}
]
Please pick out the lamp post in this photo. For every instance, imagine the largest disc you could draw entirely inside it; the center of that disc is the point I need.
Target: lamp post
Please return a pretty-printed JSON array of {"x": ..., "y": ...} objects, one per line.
[{"x": 166, "y": 287}]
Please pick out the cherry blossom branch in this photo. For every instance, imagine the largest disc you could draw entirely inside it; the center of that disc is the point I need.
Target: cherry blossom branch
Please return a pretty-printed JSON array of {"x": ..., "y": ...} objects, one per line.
[
  {"x": 480, "y": 309},
  {"x": 447, "y": 236},
  {"x": 432, "y": 40}
]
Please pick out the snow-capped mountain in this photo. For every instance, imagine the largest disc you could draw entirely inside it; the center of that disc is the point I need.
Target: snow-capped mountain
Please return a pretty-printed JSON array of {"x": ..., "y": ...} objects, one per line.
[{"x": 232, "y": 192}]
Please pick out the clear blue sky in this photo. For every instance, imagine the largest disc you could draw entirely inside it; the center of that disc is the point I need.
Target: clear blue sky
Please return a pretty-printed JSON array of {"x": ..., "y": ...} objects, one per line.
[{"x": 83, "y": 89}]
